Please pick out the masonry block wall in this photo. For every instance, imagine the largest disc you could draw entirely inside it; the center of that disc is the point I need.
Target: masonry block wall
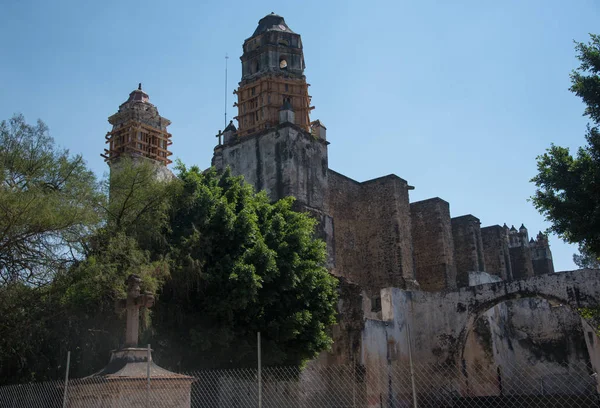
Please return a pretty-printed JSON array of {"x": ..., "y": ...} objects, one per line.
[
  {"x": 541, "y": 256},
  {"x": 520, "y": 259},
  {"x": 468, "y": 247},
  {"x": 283, "y": 161},
  {"x": 373, "y": 241},
  {"x": 542, "y": 266},
  {"x": 496, "y": 252},
  {"x": 433, "y": 244}
]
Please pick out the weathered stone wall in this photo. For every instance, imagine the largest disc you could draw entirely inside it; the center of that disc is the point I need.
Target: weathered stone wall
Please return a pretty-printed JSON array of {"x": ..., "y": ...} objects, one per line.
[
  {"x": 433, "y": 245},
  {"x": 524, "y": 341},
  {"x": 347, "y": 332},
  {"x": 541, "y": 259},
  {"x": 468, "y": 247},
  {"x": 373, "y": 242},
  {"x": 593, "y": 345},
  {"x": 521, "y": 263},
  {"x": 487, "y": 325},
  {"x": 496, "y": 252},
  {"x": 283, "y": 161},
  {"x": 542, "y": 266},
  {"x": 440, "y": 321}
]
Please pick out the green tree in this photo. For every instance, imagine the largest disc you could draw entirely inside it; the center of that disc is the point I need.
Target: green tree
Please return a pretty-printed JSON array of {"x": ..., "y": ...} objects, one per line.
[
  {"x": 75, "y": 310},
  {"x": 585, "y": 259},
  {"x": 225, "y": 263},
  {"x": 239, "y": 265},
  {"x": 76, "y": 313},
  {"x": 568, "y": 193},
  {"x": 48, "y": 204},
  {"x": 139, "y": 199}
]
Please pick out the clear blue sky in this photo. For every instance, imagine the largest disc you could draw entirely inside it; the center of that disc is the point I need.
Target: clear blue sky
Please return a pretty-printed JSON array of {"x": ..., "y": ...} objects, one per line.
[{"x": 458, "y": 97}]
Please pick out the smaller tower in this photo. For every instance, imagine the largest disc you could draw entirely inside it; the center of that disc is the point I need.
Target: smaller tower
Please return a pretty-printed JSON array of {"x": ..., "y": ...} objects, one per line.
[
  {"x": 138, "y": 131},
  {"x": 520, "y": 252},
  {"x": 541, "y": 255},
  {"x": 229, "y": 134}
]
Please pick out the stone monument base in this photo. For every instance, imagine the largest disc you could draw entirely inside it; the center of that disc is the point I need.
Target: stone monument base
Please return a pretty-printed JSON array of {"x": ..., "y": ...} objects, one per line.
[{"x": 124, "y": 383}]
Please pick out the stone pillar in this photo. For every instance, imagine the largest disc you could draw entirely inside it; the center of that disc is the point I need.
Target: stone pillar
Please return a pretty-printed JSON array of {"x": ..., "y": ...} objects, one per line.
[
  {"x": 496, "y": 252},
  {"x": 286, "y": 114},
  {"x": 433, "y": 245},
  {"x": 468, "y": 247}
]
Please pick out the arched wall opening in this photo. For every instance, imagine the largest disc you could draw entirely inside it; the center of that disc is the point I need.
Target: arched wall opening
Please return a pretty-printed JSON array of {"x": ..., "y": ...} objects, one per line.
[{"x": 518, "y": 345}]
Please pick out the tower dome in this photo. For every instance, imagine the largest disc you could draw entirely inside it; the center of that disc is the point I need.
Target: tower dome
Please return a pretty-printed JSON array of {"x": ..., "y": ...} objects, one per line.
[{"x": 271, "y": 22}]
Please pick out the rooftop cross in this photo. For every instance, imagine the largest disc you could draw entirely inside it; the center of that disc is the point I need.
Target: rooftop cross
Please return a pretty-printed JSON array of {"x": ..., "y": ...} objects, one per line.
[
  {"x": 219, "y": 135},
  {"x": 135, "y": 300}
]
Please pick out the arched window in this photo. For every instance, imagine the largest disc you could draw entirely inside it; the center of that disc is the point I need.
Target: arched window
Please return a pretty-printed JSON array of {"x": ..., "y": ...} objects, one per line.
[{"x": 283, "y": 63}]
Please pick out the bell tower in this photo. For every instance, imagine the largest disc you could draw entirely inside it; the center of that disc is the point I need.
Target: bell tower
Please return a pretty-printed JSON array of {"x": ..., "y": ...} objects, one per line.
[
  {"x": 276, "y": 148},
  {"x": 138, "y": 131},
  {"x": 272, "y": 75}
]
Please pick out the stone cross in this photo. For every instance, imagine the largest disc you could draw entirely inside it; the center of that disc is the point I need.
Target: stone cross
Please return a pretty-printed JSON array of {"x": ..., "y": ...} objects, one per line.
[
  {"x": 219, "y": 135},
  {"x": 135, "y": 300}
]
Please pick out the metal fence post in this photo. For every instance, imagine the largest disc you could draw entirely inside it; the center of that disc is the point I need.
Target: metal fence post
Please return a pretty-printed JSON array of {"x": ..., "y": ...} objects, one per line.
[
  {"x": 410, "y": 362},
  {"x": 148, "y": 376},
  {"x": 353, "y": 373},
  {"x": 259, "y": 372},
  {"x": 67, "y": 379}
]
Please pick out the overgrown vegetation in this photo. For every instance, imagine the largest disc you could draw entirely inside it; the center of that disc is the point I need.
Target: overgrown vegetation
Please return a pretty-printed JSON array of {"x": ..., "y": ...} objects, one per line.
[
  {"x": 567, "y": 192},
  {"x": 223, "y": 260}
]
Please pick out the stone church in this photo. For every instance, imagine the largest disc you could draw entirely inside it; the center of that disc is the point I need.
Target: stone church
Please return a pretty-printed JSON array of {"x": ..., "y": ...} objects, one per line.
[{"x": 400, "y": 263}]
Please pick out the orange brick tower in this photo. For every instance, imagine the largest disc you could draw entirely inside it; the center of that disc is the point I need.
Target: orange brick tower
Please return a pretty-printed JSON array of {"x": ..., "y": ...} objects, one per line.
[
  {"x": 272, "y": 74},
  {"x": 138, "y": 131}
]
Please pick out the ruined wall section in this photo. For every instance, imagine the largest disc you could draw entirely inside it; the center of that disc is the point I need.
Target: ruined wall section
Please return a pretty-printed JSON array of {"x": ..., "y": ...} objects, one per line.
[
  {"x": 468, "y": 247},
  {"x": 433, "y": 244},
  {"x": 347, "y": 332},
  {"x": 496, "y": 252},
  {"x": 373, "y": 242}
]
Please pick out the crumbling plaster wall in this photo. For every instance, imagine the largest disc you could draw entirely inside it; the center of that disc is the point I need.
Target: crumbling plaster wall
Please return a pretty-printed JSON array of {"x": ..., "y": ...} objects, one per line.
[
  {"x": 440, "y": 322},
  {"x": 524, "y": 341}
]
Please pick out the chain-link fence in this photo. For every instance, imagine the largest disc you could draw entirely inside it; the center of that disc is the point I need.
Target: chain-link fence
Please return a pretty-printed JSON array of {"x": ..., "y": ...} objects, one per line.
[{"x": 390, "y": 385}]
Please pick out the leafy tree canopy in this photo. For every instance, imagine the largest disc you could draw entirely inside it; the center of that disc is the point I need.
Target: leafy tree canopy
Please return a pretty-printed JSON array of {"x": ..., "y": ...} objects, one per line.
[
  {"x": 585, "y": 259},
  {"x": 568, "y": 193},
  {"x": 48, "y": 204},
  {"x": 224, "y": 262},
  {"x": 241, "y": 264}
]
